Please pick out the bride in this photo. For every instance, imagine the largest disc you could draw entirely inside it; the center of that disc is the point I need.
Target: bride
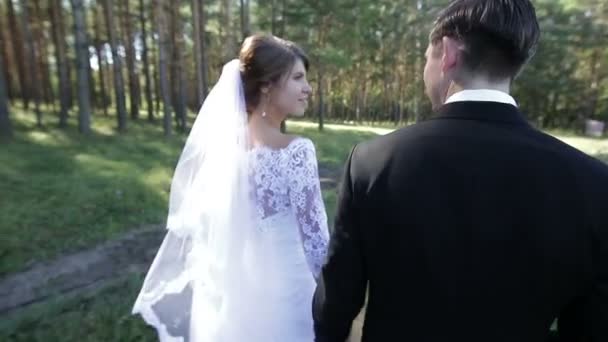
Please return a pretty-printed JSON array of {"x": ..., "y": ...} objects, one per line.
[{"x": 247, "y": 228}]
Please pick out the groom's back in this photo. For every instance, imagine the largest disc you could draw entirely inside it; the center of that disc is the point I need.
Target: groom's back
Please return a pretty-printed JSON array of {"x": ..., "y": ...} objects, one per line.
[{"x": 476, "y": 227}]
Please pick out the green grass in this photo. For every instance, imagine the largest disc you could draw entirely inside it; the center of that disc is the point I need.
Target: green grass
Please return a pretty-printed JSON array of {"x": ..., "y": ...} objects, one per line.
[
  {"x": 61, "y": 191},
  {"x": 104, "y": 315},
  {"x": 330, "y": 198}
]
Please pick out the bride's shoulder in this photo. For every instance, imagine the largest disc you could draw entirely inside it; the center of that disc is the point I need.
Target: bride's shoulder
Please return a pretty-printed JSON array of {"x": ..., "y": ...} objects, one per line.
[{"x": 296, "y": 142}]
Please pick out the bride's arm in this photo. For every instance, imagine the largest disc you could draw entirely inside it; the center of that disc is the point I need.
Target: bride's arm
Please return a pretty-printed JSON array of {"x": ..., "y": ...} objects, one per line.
[{"x": 307, "y": 201}]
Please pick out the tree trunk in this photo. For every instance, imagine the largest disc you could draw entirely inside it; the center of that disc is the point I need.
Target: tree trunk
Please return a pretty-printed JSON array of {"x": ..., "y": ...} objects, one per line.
[
  {"x": 273, "y": 29},
  {"x": 6, "y": 130},
  {"x": 156, "y": 79},
  {"x": 595, "y": 84},
  {"x": 364, "y": 97},
  {"x": 163, "y": 41},
  {"x": 82, "y": 64},
  {"x": 329, "y": 109},
  {"x": 18, "y": 48},
  {"x": 283, "y": 17},
  {"x": 32, "y": 61},
  {"x": 198, "y": 52},
  {"x": 401, "y": 96},
  {"x": 119, "y": 87},
  {"x": 273, "y": 15},
  {"x": 58, "y": 29},
  {"x": 321, "y": 109},
  {"x": 229, "y": 47},
  {"x": 245, "y": 24},
  {"x": 180, "y": 109},
  {"x": 146, "y": 63},
  {"x": 93, "y": 95},
  {"x": 320, "y": 71},
  {"x": 99, "y": 43},
  {"x": 130, "y": 52},
  {"x": 8, "y": 60},
  {"x": 204, "y": 59},
  {"x": 47, "y": 93},
  {"x": 177, "y": 77}
]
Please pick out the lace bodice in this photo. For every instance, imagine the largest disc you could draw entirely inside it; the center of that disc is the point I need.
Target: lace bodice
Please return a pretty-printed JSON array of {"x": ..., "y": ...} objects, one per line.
[{"x": 286, "y": 180}]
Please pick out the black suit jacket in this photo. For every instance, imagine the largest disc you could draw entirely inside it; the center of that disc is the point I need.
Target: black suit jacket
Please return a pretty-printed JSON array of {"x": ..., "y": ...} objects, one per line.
[{"x": 471, "y": 226}]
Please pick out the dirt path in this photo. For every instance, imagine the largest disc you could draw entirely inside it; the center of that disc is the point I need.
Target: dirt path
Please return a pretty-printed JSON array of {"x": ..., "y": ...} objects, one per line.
[
  {"x": 79, "y": 271},
  {"x": 95, "y": 267}
]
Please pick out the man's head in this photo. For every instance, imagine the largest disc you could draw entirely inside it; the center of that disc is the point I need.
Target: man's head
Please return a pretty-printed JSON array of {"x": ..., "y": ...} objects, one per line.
[{"x": 479, "y": 42}]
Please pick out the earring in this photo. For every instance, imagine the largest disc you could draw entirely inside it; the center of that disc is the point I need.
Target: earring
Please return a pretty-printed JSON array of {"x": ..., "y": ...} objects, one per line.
[{"x": 264, "y": 110}]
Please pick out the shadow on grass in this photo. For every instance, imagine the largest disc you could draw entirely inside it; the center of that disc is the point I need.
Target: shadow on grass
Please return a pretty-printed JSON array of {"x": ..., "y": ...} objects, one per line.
[{"x": 62, "y": 192}]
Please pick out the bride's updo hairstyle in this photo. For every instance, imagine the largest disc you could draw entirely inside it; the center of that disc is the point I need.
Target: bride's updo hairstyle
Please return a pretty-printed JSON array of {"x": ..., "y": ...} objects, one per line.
[{"x": 264, "y": 60}]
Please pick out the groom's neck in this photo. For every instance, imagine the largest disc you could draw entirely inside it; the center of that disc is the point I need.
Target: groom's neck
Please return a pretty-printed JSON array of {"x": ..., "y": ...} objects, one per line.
[{"x": 479, "y": 83}]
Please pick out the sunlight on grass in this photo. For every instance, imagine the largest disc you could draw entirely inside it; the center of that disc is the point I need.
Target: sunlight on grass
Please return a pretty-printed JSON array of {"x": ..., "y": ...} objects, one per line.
[
  {"x": 40, "y": 137},
  {"x": 159, "y": 179},
  {"x": 590, "y": 146},
  {"x": 104, "y": 166},
  {"x": 104, "y": 130},
  {"x": 340, "y": 127}
]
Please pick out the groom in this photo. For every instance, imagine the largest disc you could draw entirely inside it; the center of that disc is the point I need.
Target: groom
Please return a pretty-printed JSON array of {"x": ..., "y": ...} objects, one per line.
[{"x": 471, "y": 226}]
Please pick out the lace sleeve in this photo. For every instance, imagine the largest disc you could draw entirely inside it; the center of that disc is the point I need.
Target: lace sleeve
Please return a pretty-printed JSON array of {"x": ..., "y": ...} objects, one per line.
[{"x": 307, "y": 202}]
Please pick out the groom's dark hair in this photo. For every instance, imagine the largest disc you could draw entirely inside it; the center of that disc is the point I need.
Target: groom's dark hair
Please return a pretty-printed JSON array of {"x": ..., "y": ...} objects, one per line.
[{"x": 499, "y": 36}]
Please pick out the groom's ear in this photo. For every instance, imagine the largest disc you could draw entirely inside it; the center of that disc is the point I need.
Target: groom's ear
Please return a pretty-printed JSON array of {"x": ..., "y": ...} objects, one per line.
[{"x": 450, "y": 54}]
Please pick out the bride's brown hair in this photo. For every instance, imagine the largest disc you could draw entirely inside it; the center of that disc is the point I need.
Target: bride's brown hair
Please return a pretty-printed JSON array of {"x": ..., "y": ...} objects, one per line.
[{"x": 264, "y": 60}]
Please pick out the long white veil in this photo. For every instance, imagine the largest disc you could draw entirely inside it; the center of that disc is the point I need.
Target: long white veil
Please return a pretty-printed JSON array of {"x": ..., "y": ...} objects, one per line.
[{"x": 196, "y": 281}]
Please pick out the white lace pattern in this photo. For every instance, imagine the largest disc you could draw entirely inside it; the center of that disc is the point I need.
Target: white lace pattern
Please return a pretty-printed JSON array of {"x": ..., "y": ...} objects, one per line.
[{"x": 287, "y": 179}]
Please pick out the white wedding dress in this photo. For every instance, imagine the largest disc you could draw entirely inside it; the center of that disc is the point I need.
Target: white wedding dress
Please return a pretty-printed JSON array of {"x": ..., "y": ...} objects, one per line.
[
  {"x": 272, "y": 301},
  {"x": 291, "y": 219}
]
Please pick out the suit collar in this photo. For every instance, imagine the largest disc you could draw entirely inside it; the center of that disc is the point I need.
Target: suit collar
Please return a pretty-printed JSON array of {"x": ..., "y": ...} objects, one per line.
[{"x": 481, "y": 111}]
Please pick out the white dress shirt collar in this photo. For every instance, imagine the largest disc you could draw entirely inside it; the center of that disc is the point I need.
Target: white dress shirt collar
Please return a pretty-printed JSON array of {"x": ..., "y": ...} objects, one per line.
[{"x": 485, "y": 95}]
